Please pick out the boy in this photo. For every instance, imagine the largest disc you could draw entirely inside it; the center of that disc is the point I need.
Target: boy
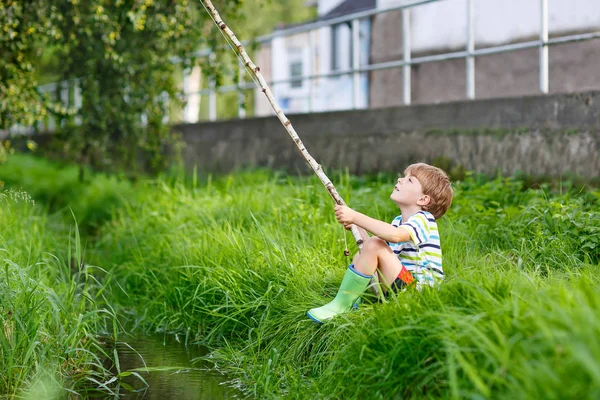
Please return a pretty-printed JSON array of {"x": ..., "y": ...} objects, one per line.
[{"x": 407, "y": 250}]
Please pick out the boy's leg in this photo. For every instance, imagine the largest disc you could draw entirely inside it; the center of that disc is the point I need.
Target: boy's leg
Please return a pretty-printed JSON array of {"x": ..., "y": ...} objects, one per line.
[
  {"x": 375, "y": 253},
  {"x": 352, "y": 286}
]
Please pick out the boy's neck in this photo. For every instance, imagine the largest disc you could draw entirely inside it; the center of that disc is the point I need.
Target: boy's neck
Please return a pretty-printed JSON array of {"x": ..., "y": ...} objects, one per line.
[{"x": 409, "y": 211}]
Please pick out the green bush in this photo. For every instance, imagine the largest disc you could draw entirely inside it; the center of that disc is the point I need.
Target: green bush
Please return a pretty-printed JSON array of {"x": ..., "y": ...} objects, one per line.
[{"x": 58, "y": 188}]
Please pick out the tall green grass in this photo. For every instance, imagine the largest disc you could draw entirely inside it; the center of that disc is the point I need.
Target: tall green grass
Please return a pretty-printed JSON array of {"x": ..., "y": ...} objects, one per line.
[
  {"x": 235, "y": 262},
  {"x": 49, "y": 317}
]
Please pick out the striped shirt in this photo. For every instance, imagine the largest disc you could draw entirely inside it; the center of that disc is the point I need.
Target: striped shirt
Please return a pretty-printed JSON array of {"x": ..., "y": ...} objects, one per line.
[{"x": 422, "y": 255}]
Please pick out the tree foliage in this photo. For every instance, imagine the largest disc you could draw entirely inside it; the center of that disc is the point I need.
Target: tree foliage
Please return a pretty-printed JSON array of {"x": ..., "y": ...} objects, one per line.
[
  {"x": 25, "y": 28},
  {"x": 121, "y": 52},
  {"x": 261, "y": 16}
]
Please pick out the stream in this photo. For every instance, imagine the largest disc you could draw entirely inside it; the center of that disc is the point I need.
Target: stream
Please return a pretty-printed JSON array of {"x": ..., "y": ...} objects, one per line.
[{"x": 172, "y": 374}]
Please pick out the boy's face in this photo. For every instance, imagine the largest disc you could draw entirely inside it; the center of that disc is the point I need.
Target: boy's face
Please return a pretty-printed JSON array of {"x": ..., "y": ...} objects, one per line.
[{"x": 407, "y": 191}]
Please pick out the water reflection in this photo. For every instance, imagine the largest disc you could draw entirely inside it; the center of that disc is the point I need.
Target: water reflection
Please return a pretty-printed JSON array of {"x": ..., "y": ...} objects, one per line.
[{"x": 180, "y": 380}]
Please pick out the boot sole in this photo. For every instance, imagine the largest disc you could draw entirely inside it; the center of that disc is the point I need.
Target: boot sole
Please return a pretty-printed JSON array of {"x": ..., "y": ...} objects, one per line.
[{"x": 313, "y": 318}]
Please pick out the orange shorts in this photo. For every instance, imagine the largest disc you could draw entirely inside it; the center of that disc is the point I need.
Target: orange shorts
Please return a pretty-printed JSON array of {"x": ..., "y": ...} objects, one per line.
[{"x": 404, "y": 279}]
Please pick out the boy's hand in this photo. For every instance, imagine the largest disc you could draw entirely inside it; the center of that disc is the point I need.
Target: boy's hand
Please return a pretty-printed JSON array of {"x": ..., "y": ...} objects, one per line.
[{"x": 345, "y": 215}]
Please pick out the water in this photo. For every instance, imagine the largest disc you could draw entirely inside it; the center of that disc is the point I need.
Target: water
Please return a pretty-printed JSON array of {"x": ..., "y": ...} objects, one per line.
[{"x": 182, "y": 380}]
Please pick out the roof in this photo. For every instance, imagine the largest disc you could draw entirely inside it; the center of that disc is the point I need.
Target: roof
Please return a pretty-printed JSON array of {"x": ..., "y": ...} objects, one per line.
[
  {"x": 345, "y": 8},
  {"x": 349, "y": 7}
]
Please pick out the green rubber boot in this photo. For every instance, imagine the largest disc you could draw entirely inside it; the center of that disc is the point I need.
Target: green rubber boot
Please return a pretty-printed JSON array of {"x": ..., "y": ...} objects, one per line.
[{"x": 352, "y": 286}]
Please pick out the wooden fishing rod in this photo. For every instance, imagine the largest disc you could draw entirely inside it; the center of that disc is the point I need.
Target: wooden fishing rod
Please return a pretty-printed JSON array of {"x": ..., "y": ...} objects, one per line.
[{"x": 287, "y": 124}]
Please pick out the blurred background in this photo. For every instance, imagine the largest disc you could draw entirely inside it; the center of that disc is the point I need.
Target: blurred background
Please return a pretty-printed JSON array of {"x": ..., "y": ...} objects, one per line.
[{"x": 105, "y": 77}]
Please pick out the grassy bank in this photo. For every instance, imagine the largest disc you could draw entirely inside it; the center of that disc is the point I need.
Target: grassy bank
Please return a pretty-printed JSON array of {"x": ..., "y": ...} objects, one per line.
[
  {"x": 49, "y": 316},
  {"x": 235, "y": 262},
  {"x": 54, "y": 319}
]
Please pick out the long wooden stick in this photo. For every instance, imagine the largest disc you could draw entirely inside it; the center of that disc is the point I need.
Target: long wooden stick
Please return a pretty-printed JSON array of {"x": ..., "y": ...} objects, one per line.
[{"x": 316, "y": 167}]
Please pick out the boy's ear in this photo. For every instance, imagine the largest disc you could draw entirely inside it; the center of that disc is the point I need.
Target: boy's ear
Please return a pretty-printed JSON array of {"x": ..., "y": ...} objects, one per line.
[{"x": 424, "y": 200}]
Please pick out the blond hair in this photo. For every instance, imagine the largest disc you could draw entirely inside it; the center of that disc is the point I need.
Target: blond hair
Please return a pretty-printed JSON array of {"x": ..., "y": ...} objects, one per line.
[{"x": 435, "y": 184}]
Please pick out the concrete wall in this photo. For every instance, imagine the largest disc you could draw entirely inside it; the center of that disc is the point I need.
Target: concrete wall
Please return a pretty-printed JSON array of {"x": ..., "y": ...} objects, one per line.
[{"x": 540, "y": 135}]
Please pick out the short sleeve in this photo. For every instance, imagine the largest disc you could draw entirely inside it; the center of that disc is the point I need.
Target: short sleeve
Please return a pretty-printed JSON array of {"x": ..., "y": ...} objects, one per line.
[
  {"x": 418, "y": 228},
  {"x": 397, "y": 221}
]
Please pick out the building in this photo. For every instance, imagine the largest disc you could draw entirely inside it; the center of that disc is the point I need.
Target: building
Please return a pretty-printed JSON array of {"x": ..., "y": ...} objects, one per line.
[
  {"x": 440, "y": 27},
  {"x": 317, "y": 52}
]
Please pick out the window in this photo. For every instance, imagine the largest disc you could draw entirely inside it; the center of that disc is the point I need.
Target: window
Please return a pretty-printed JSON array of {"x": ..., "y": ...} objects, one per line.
[{"x": 296, "y": 72}]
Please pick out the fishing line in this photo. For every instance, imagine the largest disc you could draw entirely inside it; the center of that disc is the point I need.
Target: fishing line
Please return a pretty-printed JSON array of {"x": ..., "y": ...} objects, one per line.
[{"x": 346, "y": 251}]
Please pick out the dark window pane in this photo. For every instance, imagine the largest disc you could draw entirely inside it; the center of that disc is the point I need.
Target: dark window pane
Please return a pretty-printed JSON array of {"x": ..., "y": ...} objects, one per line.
[{"x": 296, "y": 71}]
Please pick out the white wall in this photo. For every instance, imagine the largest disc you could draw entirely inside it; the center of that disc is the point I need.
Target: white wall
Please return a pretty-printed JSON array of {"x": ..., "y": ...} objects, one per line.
[
  {"x": 443, "y": 24},
  {"x": 192, "y": 82},
  {"x": 291, "y": 99},
  {"x": 336, "y": 93},
  {"x": 326, "y": 93},
  {"x": 279, "y": 58}
]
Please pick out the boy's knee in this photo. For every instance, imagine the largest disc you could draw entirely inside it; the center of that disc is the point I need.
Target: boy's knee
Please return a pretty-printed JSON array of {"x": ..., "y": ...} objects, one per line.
[{"x": 374, "y": 244}]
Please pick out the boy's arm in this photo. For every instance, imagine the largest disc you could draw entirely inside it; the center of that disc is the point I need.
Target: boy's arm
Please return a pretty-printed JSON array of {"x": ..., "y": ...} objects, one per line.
[
  {"x": 346, "y": 215},
  {"x": 363, "y": 233}
]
